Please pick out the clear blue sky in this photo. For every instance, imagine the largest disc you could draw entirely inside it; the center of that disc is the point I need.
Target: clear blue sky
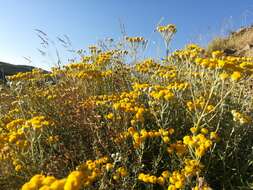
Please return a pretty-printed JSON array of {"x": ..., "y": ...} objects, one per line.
[{"x": 86, "y": 21}]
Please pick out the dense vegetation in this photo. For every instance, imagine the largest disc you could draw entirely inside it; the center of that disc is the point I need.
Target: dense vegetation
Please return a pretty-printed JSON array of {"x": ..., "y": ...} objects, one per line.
[{"x": 184, "y": 122}]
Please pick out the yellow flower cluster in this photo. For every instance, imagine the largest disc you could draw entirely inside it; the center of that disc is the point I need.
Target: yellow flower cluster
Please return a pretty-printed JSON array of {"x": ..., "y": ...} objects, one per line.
[
  {"x": 120, "y": 52},
  {"x": 201, "y": 142},
  {"x": 91, "y": 75},
  {"x": 16, "y": 137},
  {"x": 17, "y": 128},
  {"x": 164, "y": 93},
  {"x": 240, "y": 118},
  {"x": 35, "y": 73},
  {"x": 199, "y": 104},
  {"x": 192, "y": 167},
  {"x": 147, "y": 178},
  {"x": 84, "y": 176},
  {"x": 189, "y": 53},
  {"x": 120, "y": 173},
  {"x": 80, "y": 66},
  {"x": 236, "y": 75},
  {"x": 217, "y": 54},
  {"x": 94, "y": 49},
  {"x": 38, "y": 122},
  {"x": 236, "y": 66},
  {"x": 175, "y": 86},
  {"x": 135, "y": 39},
  {"x": 177, "y": 180},
  {"x": 17, "y": 164},
  {"x": 16, "y": 134},
  {"x": 179, "y": 148},
  {"x": 223, "y": 76},
  {"x": 53, "y": 139},
  {"x": 41, "y": 182},
  {"x": 92, "y": 63},
  {"x": 92, "y": 170},
  {"x": 104, "y": 58},
  {"x": 168, "y": 28},
  {"x": 127, "y": 103},
  {"x": 149, "y": 66},
  {"x": 165, "y": 73},
  {"x": 140, "y": 136}
]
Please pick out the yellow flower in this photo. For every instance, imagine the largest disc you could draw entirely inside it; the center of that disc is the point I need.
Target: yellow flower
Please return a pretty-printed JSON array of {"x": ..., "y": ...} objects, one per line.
[
  {"x": 213, "y": 135},
  {"x": 48, "y": 180},
  {"x": 187, "y": 140},
  {"x": 152, "y": 134},
  {"x": 200, "y": 151},
  {"x": 37, "y": 179},
  {"x": 18, "y": 167},
  {"x": 208, "y": 144},
  {"x": 12, "y": 138},
  {"x": 115, "y": 177},
  {"x": 223, "y": 76},
  {"x": 236, "y": 75},
  {"x": 58, "y": 184},
  {"x": 74, "y": 181},
  {"x": 45, "y": 188},
  {"x": 204, "y": 130},
  {"x": 166, "y": 174},
  {"x": 221, "y": 63},
  {"x": 160, "y": 180},
  {"x": 216, "y": 54},
  {"x": 166, "y": 139},
  {"x": 131, "y": 130},
  {"x": 193, "y": 129},
  {"x": 29, "y": 186},
  {"x": 108, "y": 166},
  {"x": 171, "y": 131},
  {"x": 172, "y": 187},
  {"x": 210, "y": 108},
  {"x": 133, "y": 122},
  {"x": 179, "y": 184},
  {"x": 144, "y": 133},
  {"x": 141, "y": 176},
  {"x": 190, "y": 105},
  {"x": 109, "y": 116},
  {"x": 122, "y": 171},
  {"x": 152, "y": 179}
]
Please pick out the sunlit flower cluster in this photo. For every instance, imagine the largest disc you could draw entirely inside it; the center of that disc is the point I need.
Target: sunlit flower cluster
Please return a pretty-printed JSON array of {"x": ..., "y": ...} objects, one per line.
[
  {"x": 161, "y": 180},
  {"x": 167, "y": 31},
  {"x": 85, "y": 175},
  {"x": 139, "y": 137},
  {"x": 200, "y": 143},
  {"x": 199, "y": 104},
  {"x": 134, "y": 39},
  {"x": 189, "y": 53},
  {"x": 28, "y": 75}
]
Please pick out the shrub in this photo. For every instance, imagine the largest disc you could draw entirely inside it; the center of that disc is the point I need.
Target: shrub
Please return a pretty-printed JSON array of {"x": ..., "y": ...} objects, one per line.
[{"x": 181, "y": 123}]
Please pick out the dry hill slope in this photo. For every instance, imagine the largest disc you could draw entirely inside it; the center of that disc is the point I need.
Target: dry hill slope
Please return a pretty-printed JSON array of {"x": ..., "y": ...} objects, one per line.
[{"x": 238, "y": 43}]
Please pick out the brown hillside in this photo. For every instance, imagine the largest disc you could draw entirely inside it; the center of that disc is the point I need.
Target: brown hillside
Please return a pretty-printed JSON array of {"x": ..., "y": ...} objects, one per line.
[{"x": 239, "y": 43}]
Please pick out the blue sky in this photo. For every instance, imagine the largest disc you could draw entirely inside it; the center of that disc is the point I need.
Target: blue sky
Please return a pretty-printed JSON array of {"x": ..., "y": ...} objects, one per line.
[{"x": 86, "y": 21}]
